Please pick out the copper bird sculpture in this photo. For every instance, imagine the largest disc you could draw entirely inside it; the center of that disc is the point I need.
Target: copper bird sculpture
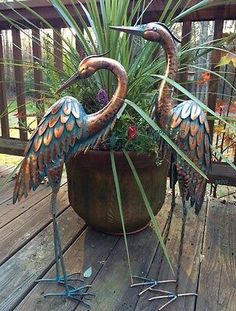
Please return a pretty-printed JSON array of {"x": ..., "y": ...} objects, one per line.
[
  {"x": 63, "y": 132},
  {"x": 186, "y": 124}
]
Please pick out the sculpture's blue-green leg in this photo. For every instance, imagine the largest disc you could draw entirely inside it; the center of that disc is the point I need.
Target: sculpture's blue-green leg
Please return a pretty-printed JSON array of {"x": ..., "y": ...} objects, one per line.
[{"x": 64, "y": 279}]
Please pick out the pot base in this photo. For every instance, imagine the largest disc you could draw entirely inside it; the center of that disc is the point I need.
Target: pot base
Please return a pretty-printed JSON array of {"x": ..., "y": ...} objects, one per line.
[{"x": 128, "y": 233}]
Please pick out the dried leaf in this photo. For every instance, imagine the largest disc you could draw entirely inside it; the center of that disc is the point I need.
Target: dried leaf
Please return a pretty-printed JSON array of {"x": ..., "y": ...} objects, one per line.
[{"x": 88, "y": 273}]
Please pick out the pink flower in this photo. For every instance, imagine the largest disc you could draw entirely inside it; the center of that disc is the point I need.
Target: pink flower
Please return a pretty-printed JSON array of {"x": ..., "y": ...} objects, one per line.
[{"x": 132, "y": 132}]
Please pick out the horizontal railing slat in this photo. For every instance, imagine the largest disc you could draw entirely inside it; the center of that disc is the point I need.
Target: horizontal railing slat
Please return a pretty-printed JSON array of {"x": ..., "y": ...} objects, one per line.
[{"x": 217, "y": 10}]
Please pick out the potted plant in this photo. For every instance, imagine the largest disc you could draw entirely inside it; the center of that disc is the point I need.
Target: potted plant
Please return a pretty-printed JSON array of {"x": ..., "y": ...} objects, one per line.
[
  {"x": 132, "y": 138},
  {"x": 91, "y": 187}
]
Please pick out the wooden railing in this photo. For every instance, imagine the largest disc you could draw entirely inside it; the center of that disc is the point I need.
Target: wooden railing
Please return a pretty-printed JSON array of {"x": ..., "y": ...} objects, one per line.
[{"x": 218, "y": 11}]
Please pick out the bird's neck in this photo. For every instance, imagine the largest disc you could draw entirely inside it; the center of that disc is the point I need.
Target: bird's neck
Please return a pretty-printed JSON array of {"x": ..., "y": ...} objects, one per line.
[
  {"x": 164, "y": 103},
  {"x": 99, "y": 120}
]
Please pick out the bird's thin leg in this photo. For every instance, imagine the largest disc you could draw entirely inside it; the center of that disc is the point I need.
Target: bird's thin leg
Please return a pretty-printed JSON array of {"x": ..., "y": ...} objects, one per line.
[
  {"x": 70, "y": 291},
  {"x": 76, "y": 293},
  {"x": 174, "y": 295},
  {"x": 55, "y": 239},
  {"x": 172, "y": 187}
]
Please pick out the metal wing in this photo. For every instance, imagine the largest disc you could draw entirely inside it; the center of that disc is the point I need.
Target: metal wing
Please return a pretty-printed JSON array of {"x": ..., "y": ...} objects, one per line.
[
  {"x": 61, "y": 134},
  {"x": 190, "y": 130}
]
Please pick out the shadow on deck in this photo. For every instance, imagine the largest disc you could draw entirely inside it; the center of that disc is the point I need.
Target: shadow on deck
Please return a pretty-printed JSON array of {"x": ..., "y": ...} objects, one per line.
[{"x": 26, "y": 253}]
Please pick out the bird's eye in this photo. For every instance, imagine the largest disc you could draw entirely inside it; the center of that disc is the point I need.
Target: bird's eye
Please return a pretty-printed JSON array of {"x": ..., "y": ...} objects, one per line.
[
  {"x": 154, "y": 28},
  {"x": 83, "y": 69}
]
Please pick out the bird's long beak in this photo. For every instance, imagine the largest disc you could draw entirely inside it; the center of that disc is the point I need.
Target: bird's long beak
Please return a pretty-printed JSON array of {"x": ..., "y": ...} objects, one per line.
[
  {"x": 68, "y": 83},
  {"x": 133, "y": 30}
]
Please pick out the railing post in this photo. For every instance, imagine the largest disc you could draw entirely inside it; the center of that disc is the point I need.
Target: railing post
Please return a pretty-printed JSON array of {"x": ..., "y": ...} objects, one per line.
[
  {"x": 58, "y": 53},
  {"x": 20, "y": 92},
  {"x": 213, "y": 83},
  {"x": 78, "y": 48},
  {"x": 38, "y": 75},
  {"x": 185, "y": 40},
  {"x": 3, "y": 96}
]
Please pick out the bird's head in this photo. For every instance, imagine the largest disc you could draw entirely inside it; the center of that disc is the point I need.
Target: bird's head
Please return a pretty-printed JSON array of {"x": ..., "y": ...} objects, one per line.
[
  {"x": 87, "y": 67},
  {"x": 152, "y": 31}
]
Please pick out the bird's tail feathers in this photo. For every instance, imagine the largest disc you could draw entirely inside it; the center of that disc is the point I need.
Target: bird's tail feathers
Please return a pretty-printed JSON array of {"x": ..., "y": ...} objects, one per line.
[
  {"x": 28, "y": 178},
  {"x": 20, "y": 188},
  {"x": 200, "y": 194}
]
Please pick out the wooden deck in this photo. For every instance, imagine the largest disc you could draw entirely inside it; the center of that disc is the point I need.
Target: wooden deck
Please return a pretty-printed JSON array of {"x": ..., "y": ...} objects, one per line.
[{"x": 208, "y": 264}]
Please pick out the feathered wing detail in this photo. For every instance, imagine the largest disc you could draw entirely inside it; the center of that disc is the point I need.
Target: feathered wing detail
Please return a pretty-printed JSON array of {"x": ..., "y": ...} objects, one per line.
[
  {"x": 61, "y": 134},
  {"x": 191, "y": 134}
]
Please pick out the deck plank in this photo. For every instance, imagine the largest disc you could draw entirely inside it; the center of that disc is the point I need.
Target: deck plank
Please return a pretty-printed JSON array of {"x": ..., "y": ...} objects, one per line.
[
  {"x": 26, "y": 253},
  {"x": 8, "y": 211},
  {"x": 191, "y": 258},
  {"x": 5, "y": 170},
  {"x": 6, "y": 193},
  {"x": 189, "y": 265},
  {"x": 17, "y": 275},
  {"x": 91, "y": 249},
  {"x": 112, "y": 288},
  {"x": 160, "y": 269},
  {"x": 217, "y": 290},
  {"x": 22, "y": 229}
]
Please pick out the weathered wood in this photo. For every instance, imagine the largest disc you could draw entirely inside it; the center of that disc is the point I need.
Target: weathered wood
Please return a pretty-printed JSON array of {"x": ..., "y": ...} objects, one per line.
[
  {"x": 58, "y": 53},
  {"x": 5, "y": 171},
  {"x": 222, "y": 174},
  {"x": 79, "y": 49},
  {"x": 217, "y": 277},
  {"x": 91, "y": 249},
  {"x": 185, "y": 41},
  {"x": 3, "y": 95},
  {"x": 112, "y": 285},
  {"x": 214, "y": 81},
  {"x": 18, "y": 274},
  {"x": 191, "y": 259},
  {"x": 12, "y": 146},
  {"x": 219, "y": 9},
  {"x": 189, "y": 264},
  {"x": 17, "y": 233},
  {"x": 159, "y": 267},
  {"x": 8, "y": 211},
  {"x": 19, "y": 80},
  {"x": 38, "y": 74}
]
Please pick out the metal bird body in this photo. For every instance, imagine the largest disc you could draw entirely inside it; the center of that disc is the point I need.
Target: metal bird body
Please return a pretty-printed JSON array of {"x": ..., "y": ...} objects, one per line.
[
  {"x": 64, "y": 131},
  {"x": 186, "y": 122},
  {"x": 187, "y": 125}
]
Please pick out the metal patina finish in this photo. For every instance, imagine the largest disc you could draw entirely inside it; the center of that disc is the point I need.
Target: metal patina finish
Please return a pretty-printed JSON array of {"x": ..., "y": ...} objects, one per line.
[
  {"x": 186, "y": 122},
  {"x": 64, "y": 131},
  {"x": 188, "y": 127}
]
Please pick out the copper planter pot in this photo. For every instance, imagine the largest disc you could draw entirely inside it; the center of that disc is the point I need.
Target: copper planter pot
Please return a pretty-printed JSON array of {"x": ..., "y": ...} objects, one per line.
[{"x": 93, "y": 196}]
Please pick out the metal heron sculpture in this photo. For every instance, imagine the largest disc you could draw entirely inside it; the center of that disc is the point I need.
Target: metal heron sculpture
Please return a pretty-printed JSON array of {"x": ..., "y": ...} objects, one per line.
[
  {"x": 63, "y": 132},
  {"x": 186, "y": 123}
]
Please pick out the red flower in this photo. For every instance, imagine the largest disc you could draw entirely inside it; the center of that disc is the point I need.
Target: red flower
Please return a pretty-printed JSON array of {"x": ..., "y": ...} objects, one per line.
[
  {"x": 132, "y": 132},
  {"x": 204, "y": 78}
]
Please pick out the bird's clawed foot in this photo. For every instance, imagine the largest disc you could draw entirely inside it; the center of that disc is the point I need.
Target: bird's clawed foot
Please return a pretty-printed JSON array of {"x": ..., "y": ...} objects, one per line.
[
  {"x": 164, "y": 294},
  {"x": 75, "y": 293},
  {"x": 151, "y": 283},
  {"x": 168, "y": 295},
  {"x": 72, "y": 292}
]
